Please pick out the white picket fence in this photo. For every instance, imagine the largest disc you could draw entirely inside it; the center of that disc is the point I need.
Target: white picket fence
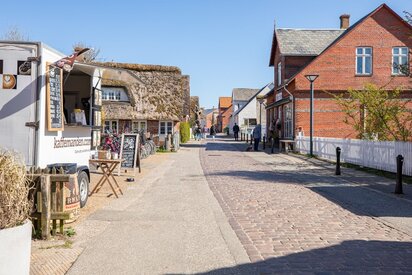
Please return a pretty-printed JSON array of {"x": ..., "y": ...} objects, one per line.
[{"x": 374, "y": 154}]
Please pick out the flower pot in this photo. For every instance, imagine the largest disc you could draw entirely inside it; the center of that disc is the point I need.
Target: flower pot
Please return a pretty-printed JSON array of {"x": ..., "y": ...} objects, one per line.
[
  {"x": 15, "y": 249},
  {"x": 101, "y": 154}
]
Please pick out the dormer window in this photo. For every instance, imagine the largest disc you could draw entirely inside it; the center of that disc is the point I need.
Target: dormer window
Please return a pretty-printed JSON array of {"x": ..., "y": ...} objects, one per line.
[{"x": 114, "y": 94}]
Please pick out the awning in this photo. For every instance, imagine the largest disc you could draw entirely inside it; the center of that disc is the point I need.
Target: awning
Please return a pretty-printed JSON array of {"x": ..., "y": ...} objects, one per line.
[{"x": 104, "y": 72}]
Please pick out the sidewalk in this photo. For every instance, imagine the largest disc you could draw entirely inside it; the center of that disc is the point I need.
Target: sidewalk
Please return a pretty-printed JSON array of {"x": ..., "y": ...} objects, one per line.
[{"x": 169, "y": 223}]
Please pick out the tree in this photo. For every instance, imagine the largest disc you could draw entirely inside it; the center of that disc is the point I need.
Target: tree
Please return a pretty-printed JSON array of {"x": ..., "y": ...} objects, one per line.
[
  {"x": 15, "y": 34},
  {"x": 90, "y": 55},
  {"x": 377, "y": 114},
  {"x": 408, "y": 17}
]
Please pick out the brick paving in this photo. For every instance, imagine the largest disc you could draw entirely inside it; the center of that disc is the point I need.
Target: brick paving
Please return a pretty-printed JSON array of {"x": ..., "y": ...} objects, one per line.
[{"x": 287, "y": 227}]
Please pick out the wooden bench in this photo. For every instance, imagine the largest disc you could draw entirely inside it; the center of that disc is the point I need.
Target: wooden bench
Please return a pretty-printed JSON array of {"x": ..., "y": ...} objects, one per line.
[{"x": 287, "y": 144}]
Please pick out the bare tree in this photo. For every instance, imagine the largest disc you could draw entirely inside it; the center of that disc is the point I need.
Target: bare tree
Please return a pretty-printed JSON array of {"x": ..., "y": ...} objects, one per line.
[
  {"x": 408, "y": 17},
  {"x": 15, "y": 34},
  {"x": 89, "y": 56}
]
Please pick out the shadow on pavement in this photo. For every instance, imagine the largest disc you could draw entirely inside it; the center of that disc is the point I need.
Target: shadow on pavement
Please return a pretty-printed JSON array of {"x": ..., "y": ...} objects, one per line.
[
  {"x": 354, "y": 198},
  {"x": 192, "y": 145},
  {"x": 353, "y": 257}
]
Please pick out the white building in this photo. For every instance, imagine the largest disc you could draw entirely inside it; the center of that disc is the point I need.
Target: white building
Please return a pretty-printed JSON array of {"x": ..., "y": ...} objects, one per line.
[
  {"x": 240, "y": 97},
  {"x": 250, "y": 114}
]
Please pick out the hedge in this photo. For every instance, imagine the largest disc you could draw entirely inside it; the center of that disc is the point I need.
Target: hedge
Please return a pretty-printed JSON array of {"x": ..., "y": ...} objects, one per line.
[{"x": 184, "y": 132}]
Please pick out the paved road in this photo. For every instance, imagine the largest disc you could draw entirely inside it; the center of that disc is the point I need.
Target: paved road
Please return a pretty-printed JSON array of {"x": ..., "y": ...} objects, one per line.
[
  {"x": 292, "y": 216},
  {"x": 169, "y": 223}
]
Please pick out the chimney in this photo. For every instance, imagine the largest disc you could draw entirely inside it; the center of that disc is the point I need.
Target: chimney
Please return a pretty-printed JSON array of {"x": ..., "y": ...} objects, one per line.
[{"x": 344, "y": 21}]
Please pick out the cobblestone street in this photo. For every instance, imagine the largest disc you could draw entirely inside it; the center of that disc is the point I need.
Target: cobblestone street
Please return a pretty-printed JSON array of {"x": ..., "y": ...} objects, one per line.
[{"x": 292, "y": 216}]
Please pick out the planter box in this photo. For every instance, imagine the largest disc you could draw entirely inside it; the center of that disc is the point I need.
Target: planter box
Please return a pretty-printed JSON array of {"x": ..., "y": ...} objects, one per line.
[{"x": 15, "y": 249}]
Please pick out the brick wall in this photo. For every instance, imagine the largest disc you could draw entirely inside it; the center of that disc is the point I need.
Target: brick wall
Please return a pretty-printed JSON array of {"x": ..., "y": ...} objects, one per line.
[{"x": 336, "y": 66}]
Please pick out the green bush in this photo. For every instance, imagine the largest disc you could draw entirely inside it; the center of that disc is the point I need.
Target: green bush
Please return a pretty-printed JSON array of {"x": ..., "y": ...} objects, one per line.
[{"x": 184, "y": 132}]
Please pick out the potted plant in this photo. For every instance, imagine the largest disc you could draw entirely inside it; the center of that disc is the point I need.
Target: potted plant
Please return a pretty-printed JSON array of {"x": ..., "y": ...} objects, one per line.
[{"x": 15, "y": 206}]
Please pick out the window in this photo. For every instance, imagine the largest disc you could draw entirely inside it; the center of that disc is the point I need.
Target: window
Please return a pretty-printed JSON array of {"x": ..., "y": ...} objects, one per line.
[
  {"x": 364, "y": 61},
  {"x": 110, "y": 95},
  {"x": 288, "y": 121},
  {"x": 400, "y": 64},
  {"x": 111, "y": 126},
  {"x": 279, "y": 73},
  {"x": 138, "y": 126},
  {"x": 250, "y": 122},
  {"x": 166, "y": 127}
]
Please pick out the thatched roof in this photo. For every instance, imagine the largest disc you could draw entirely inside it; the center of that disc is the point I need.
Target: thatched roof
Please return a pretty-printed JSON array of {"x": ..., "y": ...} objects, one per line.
[
  {"x": 161, "y": 95},
  {"x": 140, "y": 67}
]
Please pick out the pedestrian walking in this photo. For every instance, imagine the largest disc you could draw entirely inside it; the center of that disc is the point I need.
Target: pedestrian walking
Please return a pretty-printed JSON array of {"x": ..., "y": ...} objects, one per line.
[
  {"x": 257, "y": 135},
  {"x": 213, "y": 131},
  {"x": 236, "y": 131}
]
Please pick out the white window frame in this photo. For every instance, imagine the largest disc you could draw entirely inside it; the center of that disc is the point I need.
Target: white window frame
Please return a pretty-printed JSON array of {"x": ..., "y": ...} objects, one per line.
[
  {"x": 110, "y": 125},
  {"x": 398, "y": 57},
  {"x": 279, "y": 73},
  {"x": 363, "y": 55},
  {"x": 111, "y": 95},
  {"x": 139, "y": 125},
  {"x": 168, "y": 124}
]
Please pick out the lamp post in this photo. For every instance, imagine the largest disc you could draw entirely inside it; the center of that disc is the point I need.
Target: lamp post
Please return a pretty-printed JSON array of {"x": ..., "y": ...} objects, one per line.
[
  {"x": 311, "y": 78},
  {"x": 260, "y": 99}
]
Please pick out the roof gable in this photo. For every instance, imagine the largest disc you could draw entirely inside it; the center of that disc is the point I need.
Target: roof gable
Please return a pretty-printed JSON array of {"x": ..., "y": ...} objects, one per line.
[
  {"x": 349, "y": 30},
  {"x": 305, "y": 42},
  {"x": 225, "y": 101},
  {"x": 243, "y": 94}
]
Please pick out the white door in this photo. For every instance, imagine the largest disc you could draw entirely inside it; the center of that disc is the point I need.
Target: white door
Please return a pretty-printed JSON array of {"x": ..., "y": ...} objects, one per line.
[
  {"x": 18, "y": 96},
  {"x": 165, "y": 127}
]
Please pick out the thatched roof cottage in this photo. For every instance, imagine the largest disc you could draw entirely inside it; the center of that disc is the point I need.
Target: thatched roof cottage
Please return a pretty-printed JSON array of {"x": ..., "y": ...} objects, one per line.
[{"x": 157, "y": 102}]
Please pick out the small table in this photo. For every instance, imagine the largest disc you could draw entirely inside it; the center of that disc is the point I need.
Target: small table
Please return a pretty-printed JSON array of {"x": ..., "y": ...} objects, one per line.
[
  {"x": 108, "y": 166},
  {"x": 287, "y": 142}
]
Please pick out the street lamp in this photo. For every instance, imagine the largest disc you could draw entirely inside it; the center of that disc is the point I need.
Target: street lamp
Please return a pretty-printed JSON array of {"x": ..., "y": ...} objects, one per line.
[
  {"x": 260, "y": 99},
  {"x": 311, "y": 78}
]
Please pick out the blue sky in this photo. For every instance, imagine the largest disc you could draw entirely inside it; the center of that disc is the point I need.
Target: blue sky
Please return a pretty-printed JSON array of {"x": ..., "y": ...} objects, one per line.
[{"x": 221, "y": 44}]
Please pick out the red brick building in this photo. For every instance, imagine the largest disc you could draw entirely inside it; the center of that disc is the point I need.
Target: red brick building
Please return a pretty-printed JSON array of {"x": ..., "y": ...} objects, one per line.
[
  {"x": 224, "y": 112},
  {"x": 344, "y": 58}
]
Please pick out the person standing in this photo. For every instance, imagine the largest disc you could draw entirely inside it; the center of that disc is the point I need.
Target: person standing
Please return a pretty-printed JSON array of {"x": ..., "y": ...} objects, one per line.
[
  {"x": 213, "y": 131},
  {"x": 236, "y": 131},
  {"x": 257, "y": 134}
]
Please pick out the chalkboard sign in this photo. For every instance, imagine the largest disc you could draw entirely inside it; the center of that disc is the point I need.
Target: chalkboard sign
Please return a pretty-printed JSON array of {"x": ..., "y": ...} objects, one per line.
[
  {"x": 129, "y": 149},
  {"x": 55, "y": 120}
]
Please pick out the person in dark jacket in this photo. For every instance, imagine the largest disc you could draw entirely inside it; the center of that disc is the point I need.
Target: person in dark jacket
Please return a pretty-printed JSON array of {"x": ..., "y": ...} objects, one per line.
[
  {"x": 213, "y": 131},
  {"x": 257, "y": 135},
  {"x": 236, "y": 131}
]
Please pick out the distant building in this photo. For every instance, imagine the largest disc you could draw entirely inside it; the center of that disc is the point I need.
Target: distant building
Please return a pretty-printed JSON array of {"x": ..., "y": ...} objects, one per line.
[
  {"x": 252, "y": 113},
  {"x": 241, "y": 96},
  {"x": 224, "y": 112},
  {"x": 211, "y": 117}
]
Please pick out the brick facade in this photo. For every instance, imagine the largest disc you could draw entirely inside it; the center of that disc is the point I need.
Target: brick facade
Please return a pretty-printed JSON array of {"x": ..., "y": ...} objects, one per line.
[{"x": 336, "y": 66}]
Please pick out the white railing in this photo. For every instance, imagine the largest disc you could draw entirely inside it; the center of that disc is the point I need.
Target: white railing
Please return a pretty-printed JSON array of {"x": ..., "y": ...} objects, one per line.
[{"x": 373, "y": 154}]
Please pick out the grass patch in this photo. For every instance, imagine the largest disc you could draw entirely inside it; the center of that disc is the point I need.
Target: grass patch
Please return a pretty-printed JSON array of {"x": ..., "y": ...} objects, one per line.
[{"x": 67, "y": 244}]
